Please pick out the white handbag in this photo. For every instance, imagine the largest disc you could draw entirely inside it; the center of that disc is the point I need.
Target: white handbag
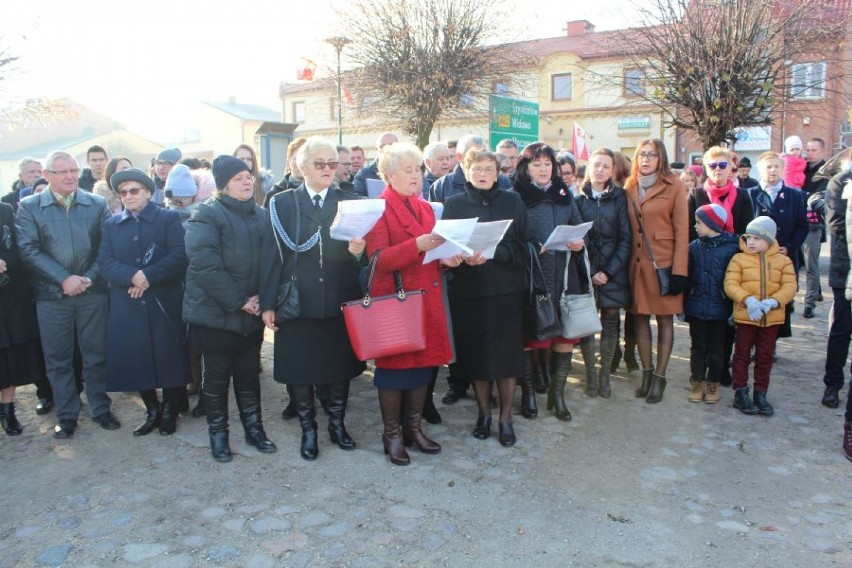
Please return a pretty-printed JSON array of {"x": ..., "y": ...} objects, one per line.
[{"x": 579, "y": 311}]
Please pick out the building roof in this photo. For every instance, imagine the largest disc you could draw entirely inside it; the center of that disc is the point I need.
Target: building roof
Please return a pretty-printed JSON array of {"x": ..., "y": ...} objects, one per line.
[
  {"x": 247, "y": 112},
  {"x": 43, "y": 149}
]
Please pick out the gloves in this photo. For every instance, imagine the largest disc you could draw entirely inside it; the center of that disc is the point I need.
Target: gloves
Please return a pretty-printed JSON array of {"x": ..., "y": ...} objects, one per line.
[
  {"x": 677, "y": 285},
  {"x": 768, "y": 305},
  {"x": 754, "y": 307}
]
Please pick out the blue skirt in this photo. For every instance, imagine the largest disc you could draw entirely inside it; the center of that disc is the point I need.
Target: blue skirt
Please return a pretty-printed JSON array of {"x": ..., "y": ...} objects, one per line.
[{"x": 402, "y": 379}]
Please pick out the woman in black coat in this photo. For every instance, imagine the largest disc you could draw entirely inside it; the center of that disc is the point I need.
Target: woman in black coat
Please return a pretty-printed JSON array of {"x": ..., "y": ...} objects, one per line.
[
  {"x": 142, "y": 257},
  {"x": 608, "y": 243},
  {"x": 549, "y": 203},
  {"x": 223, "y": 243},
  {"x": 486, "y": 297},
  {"x": 21, "y": 359},
  {"x": 313, "y": 349}
]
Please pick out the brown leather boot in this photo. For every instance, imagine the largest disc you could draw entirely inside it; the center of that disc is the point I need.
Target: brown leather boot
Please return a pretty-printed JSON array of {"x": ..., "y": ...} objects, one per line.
[
  {"x": 390, "y": 402},
  {"x": 411, "y": 431}
]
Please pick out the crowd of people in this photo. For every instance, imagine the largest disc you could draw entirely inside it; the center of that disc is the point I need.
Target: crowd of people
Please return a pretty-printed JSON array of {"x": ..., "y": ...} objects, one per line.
[{"x": 162, "y": 281}]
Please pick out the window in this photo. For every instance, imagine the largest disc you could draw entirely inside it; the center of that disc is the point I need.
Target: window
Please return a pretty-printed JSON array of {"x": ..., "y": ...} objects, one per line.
[
  {"x": 299, "y": 111},
  {"x": 561, "y": 87},
  {"x": 500, "y": 88},
  {"x": 634, "y": 82},
  {"x": 807, "y": 81}
]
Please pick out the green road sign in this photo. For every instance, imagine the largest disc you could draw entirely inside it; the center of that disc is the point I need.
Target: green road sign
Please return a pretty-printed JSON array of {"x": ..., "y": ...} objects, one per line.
[{"x": 512, "y": 118}]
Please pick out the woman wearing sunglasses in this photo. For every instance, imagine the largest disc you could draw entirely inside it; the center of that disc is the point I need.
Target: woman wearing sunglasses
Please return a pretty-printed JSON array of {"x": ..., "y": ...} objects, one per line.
[
  {"x": 142, "y": 257},
  {"x": 660, "y": 224},
  {"x": 313, "y": 351},
  {"x": 719, "y": 188}
]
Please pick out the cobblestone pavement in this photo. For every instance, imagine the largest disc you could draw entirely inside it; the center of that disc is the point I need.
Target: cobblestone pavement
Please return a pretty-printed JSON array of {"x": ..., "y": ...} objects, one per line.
[{"x": 624, "y": 484}]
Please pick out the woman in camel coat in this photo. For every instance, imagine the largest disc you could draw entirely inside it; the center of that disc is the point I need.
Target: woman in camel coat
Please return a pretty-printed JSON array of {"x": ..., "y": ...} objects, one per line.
[{"x": 656, "y": 198}]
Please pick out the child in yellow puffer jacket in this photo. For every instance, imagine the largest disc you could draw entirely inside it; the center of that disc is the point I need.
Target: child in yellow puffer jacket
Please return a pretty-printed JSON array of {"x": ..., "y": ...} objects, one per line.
[{"x": 761, "y": 282}]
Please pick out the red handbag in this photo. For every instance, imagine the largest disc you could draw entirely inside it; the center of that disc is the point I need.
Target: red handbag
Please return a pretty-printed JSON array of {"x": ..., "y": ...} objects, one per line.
[{"x": 386, "y": 325}]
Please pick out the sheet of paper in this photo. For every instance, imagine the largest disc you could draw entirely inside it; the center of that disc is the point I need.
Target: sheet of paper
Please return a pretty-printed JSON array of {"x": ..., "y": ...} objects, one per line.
[
  {"x": 355, "y": 218},
  {"x": 486, "y": 237},
  {"x": 375, "y": 187},
  {"x": 457, "y": 232},
  {"x": 564, "y": 234}
]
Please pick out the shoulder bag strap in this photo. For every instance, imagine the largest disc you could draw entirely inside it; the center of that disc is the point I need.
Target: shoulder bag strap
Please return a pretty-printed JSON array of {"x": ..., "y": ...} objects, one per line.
[
  {"x": 371, "y": 272},
  {"x": 644, "y": 236},
  {"x": 588, "y": 270}
]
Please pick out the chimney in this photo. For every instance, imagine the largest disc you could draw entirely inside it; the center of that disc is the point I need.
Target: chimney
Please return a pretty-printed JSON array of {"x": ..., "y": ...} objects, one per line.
[{"x": 579, "y": 28}]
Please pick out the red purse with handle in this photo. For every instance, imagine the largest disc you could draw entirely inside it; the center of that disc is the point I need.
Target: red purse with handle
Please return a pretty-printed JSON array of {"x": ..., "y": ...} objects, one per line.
[{"x": 385, "y": 325}]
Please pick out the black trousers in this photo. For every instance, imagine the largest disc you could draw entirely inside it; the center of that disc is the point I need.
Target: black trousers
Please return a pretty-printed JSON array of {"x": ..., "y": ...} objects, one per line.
[
  {"x": 227, "y": 355},
  {"x": 839, "y": 335},
  {"x": 707, "y": 349}
]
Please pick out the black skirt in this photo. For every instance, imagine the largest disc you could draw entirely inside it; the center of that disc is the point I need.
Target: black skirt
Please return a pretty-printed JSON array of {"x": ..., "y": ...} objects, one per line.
[
  {"x": 314, "y": 352},
  {"x": 22, "y": 364},
  {"x": 402, "y": 379},
  {"x": 489, "y": 336}
]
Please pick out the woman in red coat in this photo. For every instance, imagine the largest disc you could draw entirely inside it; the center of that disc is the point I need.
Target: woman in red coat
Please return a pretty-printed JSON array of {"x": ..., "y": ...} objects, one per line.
[{"x": 402, "y": 237}]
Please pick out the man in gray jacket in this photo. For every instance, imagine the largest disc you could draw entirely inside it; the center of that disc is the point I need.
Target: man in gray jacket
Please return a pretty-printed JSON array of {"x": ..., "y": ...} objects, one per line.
[{"x": 59, "y": 232}]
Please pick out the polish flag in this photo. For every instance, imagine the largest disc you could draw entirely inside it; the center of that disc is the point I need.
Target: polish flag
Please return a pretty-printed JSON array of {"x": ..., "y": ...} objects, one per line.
[
  {"x": 581, "y": 148},
  {"x": 306, "y": 73},
  {"x": 347, "y": 95}
]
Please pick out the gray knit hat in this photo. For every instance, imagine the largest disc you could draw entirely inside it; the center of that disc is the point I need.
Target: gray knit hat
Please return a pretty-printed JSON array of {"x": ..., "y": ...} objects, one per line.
[
  {"x": 763, "y": 227},
  {"x": 170, "y": 155}
]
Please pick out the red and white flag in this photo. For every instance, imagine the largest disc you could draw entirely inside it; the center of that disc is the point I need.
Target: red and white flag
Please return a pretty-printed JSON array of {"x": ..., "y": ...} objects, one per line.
[
  {"x": 306, "y": 73},
  {"x": 581, "y": 148}
]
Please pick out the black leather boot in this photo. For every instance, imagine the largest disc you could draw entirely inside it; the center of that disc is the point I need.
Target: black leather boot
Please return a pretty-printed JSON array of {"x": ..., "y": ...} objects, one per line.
[
  {"x": 560, "y": 365},
  {"x": 306, "y": 410},
  {"x": 338, "y": 396},
  {"x": 8, "y": 419},
  {"x": 168, "y": 420},
  {"x": 152, "y": 413},
  {"x": 542, "y": 379},
  {"x": 630, "y": 356},
  {"x": 289, "y": 411},
  {"x": 763, "y": 406},
  {"x": 217, "y": 425},
  {"x": 609, "y": 342},
  {"x": 743, "y": 403},
  {"x": 390, "y": 402},
  {"x": 248, "y": 401},
  {"x": 411, "y": 428},
  {"x": 647, "y": 375},
  {"x": 616, "y": 357},
  {"x": 430, "y": 412},
  {"x": 587, "y": 348},
  {"x": 529, "y": 407},
  {"x": 658, "y": 385}
]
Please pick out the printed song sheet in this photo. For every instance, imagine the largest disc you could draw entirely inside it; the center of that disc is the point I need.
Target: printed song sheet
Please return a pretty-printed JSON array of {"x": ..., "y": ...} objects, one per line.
[
  {"x": 564, "y": 234},
  {"x": 486, "y": 237},
  {"x": 355, "y": 218},
  {"x": 457, "y": 232}
]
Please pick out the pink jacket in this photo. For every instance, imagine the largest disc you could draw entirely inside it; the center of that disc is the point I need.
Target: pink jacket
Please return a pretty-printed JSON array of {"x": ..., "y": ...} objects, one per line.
[{"x": 794, "y": 170}]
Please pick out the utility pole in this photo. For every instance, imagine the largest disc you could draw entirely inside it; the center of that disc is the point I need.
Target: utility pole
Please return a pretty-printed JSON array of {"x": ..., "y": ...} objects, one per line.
[{"x": 339, "y": 42}]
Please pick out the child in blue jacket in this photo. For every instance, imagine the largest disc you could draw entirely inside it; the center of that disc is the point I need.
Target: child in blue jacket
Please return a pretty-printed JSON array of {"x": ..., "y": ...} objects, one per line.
[{"x": 706, "y": 307}]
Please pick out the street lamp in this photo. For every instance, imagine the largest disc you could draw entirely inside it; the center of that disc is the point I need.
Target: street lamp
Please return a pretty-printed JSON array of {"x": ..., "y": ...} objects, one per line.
[{"x": 339, "y": 42}]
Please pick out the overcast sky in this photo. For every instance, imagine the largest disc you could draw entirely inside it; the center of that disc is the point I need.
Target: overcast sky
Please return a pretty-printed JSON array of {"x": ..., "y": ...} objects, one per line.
[{"x": 145, "y": 68}]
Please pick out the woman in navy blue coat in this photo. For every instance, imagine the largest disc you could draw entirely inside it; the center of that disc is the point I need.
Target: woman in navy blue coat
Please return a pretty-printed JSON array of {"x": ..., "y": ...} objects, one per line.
[{"x": 142, "y": 256}]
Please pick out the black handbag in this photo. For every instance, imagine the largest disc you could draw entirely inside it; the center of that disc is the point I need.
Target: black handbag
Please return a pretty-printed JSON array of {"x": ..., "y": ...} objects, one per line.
[
  {"x": 664, "y": 275},
  {"x": 287, "y": 298},
  {"x": 540, "y": 318}
]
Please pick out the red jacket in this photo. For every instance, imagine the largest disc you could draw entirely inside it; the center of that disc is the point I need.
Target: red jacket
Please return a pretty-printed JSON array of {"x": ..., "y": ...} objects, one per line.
[{"x": 395, "y": 235}]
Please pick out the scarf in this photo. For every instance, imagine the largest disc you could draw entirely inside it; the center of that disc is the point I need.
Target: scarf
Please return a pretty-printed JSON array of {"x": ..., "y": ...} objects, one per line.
[
  {"x": 645, "y": 183},
  {"x": 531, "y": 193},
  {"x": 771, "y": 190},
  {"x": 724, "y": 196}
]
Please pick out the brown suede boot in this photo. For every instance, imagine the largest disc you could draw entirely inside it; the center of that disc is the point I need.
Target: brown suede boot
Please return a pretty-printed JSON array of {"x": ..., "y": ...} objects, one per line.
[
  {"x": 390, "y": 402},
  {"x": 411, "y": 429}
]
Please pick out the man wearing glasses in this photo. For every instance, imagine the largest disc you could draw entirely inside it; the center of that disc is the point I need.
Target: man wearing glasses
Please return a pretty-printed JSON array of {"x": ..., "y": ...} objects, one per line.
[
  {"x": 164, "y": 163},
  {"x": 509, "y": 148},
  {"x": 59, "y": 232},
  {"x": 343, "y": 175}
]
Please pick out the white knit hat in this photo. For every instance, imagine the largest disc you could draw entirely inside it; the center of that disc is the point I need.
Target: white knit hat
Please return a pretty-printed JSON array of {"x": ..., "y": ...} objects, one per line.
[{"x": 792, "y": 142}]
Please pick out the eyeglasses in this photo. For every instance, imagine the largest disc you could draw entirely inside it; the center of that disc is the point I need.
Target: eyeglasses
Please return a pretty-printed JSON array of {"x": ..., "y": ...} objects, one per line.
[
  {"x": 74, "y": 171},
  {"x": 486, "y": 170},
  {"x": 320, "y": 165},
  {"x": 131, "y": 191},
  {"x": 720, "y": 165},
  {"x": 648, "y": 155},
  {"x": 162, "y": 163}
]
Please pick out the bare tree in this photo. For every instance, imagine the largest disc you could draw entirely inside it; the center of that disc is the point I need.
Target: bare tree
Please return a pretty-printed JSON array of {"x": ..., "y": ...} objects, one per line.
[
  {"x": 713, "y": 66},
  {"x": 422, "y": 61}
]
